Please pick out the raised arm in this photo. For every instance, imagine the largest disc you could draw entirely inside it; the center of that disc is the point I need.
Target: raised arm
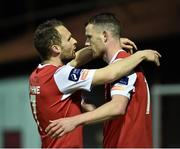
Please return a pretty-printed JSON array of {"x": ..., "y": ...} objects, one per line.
[
  {"x": 83, "y": 56},
  {"x": 86, "y": 54},
  {"x": 123, "y": 67}
]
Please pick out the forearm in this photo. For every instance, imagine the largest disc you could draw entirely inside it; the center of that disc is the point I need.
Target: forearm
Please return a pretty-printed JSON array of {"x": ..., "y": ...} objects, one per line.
[
  {"x": 107, "y": 111},
  {"x": 125, "y": 66},
  {"x": 83, "y": 56},
  {"x": 118, "y": 69}
]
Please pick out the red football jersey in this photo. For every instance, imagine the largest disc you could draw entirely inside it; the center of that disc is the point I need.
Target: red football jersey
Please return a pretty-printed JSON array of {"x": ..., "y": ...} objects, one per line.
[
  {"x": 134, "y": 129},
  {"x": 49, "y": 103}
]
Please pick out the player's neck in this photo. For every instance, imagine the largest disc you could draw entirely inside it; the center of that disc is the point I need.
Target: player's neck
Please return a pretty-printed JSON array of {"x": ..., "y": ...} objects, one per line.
[
  {"x": 54, "y": 61},
  {"x": 111, "y": 50}
]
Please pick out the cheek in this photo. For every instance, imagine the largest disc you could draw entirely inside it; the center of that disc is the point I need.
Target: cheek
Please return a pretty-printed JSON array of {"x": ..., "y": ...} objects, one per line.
[
  {"x": 69, "y": 47},
  {"x": 97, "y": 46},
  {"x": 65, "y": 51},
  {"x": 93, "y": 44}
]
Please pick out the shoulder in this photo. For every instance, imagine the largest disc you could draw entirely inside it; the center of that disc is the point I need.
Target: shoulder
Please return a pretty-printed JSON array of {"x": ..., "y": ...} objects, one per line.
[{"x": 122, "y": 54}]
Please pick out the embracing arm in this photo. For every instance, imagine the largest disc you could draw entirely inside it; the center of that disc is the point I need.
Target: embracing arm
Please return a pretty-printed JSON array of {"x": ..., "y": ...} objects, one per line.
[
  {"x": 83, "y": 56},
  {"x": 86, "y": 54},
  {"x": 117, "y": 106},
  {"x": 86, "y": 107},
  {"x": 123, "y": 67},
  {"x": 128, "y": 45}
]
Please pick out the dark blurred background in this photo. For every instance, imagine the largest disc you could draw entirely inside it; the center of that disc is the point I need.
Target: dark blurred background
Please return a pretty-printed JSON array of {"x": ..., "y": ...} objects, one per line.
[{"x": 151, "y": 24}]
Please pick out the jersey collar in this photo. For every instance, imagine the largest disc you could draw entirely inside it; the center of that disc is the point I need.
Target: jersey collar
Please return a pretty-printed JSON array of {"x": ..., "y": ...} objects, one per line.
[
  {"x": 115, "y": 55},
  {"x": 44, "y": 65}
]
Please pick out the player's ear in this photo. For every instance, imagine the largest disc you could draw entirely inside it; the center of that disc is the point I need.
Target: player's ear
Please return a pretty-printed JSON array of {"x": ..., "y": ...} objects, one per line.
[
  {"x": 56, "y": 48},
  {"x": 105, "y": 36}
]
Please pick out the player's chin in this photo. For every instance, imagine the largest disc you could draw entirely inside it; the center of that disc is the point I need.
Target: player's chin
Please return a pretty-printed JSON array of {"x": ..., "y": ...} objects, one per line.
[
  {"x": 67, "y": 59},
  {"x": 73, "y": 54}
]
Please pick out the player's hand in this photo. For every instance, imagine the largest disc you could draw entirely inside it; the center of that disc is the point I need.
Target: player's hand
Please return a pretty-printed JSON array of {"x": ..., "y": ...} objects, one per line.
[
  {"x": 128, "y": 45},
  {"x": 86, "y": 106},
  {"x": 60, "y": 127},
  {"x": 151, "y": 55}
]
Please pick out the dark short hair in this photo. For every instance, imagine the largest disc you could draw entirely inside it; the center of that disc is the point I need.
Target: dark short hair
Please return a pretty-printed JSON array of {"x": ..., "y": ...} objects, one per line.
[
  {"x": 107, "y": 21},
  {"x": 45, "y": 36}
]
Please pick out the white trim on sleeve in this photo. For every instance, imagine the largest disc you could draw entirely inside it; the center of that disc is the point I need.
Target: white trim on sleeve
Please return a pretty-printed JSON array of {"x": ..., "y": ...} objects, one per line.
[
  {"x": 70, "y": 79},
  {"x": 121, "y": 88}
]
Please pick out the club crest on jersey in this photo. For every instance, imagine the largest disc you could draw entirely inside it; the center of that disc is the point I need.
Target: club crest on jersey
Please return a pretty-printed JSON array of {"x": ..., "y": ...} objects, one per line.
[
  {"x": 123, "y": 80},
  {"x": 74, "y": 74}
]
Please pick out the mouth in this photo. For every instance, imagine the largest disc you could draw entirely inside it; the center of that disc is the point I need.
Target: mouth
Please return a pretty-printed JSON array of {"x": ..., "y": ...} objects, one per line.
[{"x": 74, "y": 49}]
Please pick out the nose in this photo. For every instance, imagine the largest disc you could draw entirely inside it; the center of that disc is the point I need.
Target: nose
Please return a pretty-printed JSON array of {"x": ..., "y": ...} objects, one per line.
[
  {"x": 75, "y": 41},
  {"x": 87, "y": 43}
]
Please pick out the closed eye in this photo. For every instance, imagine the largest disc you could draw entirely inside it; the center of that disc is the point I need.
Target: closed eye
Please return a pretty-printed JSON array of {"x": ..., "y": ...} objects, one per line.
[{"x": 69, "y": 38}]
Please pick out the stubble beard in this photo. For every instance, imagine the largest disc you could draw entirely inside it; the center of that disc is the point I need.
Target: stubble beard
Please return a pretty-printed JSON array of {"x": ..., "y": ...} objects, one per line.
[{"x": 66, "y": 60}]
